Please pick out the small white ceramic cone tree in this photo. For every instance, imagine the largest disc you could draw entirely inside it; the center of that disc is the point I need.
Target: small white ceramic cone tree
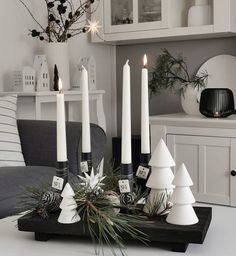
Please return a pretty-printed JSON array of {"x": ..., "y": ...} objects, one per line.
[
  {"x": 160, "y": 181},
  {"x": 68, "y": 207},
  {"x": 182, "y": 212}
]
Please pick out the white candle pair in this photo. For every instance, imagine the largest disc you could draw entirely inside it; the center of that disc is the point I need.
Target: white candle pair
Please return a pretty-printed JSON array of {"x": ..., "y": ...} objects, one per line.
[
  {"x": 61, "y": 128},
  {"x": 126, "y": 157}
]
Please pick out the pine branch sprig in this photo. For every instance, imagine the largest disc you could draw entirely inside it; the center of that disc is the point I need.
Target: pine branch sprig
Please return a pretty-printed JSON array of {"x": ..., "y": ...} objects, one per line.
[{"x": 171, "y": 72}]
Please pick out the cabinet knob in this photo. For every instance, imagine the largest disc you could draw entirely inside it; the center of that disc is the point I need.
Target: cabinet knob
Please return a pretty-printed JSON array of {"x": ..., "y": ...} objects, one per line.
[{"x": 233, "y": 173}]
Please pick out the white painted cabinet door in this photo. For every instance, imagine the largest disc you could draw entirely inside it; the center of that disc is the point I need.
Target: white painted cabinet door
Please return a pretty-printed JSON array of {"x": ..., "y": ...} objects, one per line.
[
  {"x": 209, "y": 161},
  {"x": 135, "y": 15}
]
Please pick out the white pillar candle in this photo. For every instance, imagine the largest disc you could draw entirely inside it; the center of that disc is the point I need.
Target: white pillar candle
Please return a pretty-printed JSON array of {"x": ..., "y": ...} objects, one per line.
[
  {"x": 126, "y": 117},
  {"x": 145, "y": 140},
  {"x": 61, "y": 126},
  {"x": 86, "y": 141}
]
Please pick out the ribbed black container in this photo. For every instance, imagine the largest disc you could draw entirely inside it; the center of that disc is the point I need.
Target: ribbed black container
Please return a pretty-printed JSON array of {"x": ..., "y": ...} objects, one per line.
[{"x": 217, "y": 102}]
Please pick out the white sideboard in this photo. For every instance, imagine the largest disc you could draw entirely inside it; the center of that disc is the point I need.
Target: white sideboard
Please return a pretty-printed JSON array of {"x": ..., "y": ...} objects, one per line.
[
  {"x": 207, "y": 147},
  {"x": 40, "y": 98}
]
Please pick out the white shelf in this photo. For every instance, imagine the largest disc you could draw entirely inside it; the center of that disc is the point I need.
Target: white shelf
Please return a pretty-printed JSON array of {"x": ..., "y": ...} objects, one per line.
[
  {"x": 171, "y": 34},
  {"x": 51, "y": 93},
  {"x": 224, "y": 25},
  {"x": 184, "y": 120},
  {"x": 40, "y": 98}
]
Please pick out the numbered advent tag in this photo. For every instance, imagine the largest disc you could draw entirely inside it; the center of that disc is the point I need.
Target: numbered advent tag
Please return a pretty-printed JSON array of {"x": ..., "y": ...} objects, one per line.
[
  {"x": 142, "y": 172},
  {"x": 57, "y": 183},
  {"x": 84, "y": 166},
  {"x": 124, "y": 186}
]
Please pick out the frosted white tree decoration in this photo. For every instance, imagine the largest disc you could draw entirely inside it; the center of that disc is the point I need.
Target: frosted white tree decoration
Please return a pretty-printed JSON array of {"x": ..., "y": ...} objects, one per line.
[
  {"x": 160, "y": 181},
  {"x": 182, "y": 212},
  {"x": 68, "y": 207}
]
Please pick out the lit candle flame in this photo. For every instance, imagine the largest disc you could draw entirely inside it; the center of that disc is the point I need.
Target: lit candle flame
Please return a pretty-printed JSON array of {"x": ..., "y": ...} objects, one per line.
[
  {"x": 59, "y": 85},
  {"x": 145, "y": 60}
]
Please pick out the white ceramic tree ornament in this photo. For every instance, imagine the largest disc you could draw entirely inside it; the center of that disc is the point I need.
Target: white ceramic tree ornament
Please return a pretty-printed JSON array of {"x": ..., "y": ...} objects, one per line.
[
  {"x": 160, "y": 181},
  {"x": 68, "y": 207},
  {"x": 182, "y": 212}
]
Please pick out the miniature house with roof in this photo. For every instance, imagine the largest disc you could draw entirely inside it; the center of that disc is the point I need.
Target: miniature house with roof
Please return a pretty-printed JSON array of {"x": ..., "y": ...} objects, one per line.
[
  {"x": 77, "y": 78},
  {"x": 24, "y": 80},
  {"x": 42, "y": 73},
  {"x": 90, "y": 64}
]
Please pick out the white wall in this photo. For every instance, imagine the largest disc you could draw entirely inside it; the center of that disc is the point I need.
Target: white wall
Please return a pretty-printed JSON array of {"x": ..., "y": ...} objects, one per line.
[{"x": 18, "y": 49}]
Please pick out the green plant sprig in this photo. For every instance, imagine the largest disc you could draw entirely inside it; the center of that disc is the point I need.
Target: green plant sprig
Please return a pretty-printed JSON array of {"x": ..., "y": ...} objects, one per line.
[
  {"x": 172, "y": 73},
  {"x": 32, "y": 199},
  {"x": 104, "y": 224}
]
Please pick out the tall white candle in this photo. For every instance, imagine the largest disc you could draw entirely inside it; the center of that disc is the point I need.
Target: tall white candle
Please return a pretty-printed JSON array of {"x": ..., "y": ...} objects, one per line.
[
  {"x": 145, "y": 140},
  {"x": 126, "y": 117},
  {"x": 61, "y": 126},
  {"x": 86, "y": 141}
]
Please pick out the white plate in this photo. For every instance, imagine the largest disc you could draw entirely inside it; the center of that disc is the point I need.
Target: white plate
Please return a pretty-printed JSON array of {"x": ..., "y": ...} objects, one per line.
[{"x": 222, "y": 72}]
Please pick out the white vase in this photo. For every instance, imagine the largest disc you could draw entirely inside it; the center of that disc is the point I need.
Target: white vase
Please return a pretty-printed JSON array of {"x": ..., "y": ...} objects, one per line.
[
  {"x": 190, "y": 100},
  {"x": 200, "y": 14},
  {"x": 57, "y": 53},
  {"x": 178, "y": 18}
]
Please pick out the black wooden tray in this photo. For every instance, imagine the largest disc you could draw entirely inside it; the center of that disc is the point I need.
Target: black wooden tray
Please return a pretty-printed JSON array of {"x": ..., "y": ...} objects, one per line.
[{"x": 158, "y": 231}]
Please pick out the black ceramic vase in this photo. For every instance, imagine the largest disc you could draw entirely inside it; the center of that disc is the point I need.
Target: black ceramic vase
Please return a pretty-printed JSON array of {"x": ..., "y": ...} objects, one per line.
[{"x": 217, "y": 102}]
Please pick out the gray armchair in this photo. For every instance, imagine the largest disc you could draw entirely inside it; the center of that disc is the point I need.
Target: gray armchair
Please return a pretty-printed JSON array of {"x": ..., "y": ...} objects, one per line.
[{"x": 38, "y": 139}]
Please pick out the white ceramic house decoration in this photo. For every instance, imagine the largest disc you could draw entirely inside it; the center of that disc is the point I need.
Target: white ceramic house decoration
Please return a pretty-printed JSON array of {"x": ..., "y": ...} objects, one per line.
[
  {"x": 38, "y": 60},
  {"x": 68, "y": 207},
  {"x": 43, "y": 80},
  {"x": 182, "y": 212},
  {"x": 90, "y": 64},
  {"x": 24, "y": 80},
  {"x": 42, "y": 73},
  {"x": 77, "y": 78},
  {"x": 92, "y": 73},
  {"x": 160, "y": 181}
]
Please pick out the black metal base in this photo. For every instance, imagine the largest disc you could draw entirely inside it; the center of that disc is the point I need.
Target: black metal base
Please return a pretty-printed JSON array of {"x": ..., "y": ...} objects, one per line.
[
  {"x": 88, "y": 158},
  {"x": 62, "y": 171},
  {"x": 158, "y": 230},
  {"x": 144, "y": 160},
  {"x": 127, "y": 174}
]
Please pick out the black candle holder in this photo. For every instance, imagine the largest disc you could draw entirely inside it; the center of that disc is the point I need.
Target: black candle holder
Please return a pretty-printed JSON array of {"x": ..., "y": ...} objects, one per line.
[
  {"x": 62, "y": 171},
  {"x": 144, "y": 160},
  {"x": 127, "y": 174},
  {"x": 87, "y": 157}
]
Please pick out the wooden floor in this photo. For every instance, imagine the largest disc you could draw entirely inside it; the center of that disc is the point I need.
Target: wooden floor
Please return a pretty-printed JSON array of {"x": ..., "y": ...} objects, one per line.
[{"x": 220, "y": 241}]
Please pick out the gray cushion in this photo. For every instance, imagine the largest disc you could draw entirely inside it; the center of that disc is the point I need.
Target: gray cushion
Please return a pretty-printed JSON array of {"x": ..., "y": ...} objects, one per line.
[{"x": 13, "y": 181}]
